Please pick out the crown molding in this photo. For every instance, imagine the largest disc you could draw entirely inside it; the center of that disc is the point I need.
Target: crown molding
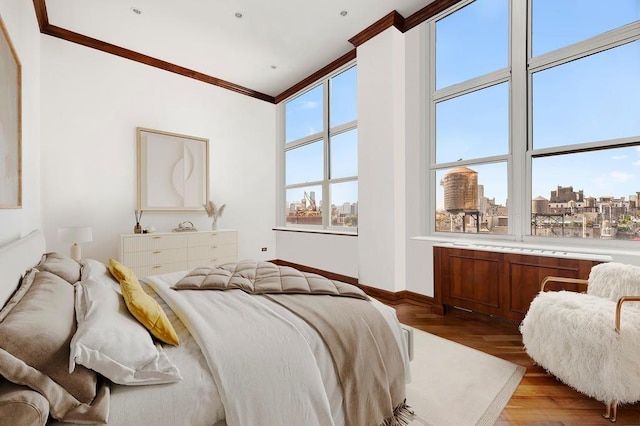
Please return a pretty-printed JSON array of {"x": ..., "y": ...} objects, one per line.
[
  {"x": 392, "y": 19},
  {"x": 54, "y": 31},
  {"x": 349, "y": 56},
  {"x": 428, "y": 12}
]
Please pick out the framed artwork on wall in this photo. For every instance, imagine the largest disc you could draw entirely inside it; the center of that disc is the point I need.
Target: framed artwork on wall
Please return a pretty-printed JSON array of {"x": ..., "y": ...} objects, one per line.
[
  {"x": 173, "y": 171},
  {"x": 10, "y": 123}
]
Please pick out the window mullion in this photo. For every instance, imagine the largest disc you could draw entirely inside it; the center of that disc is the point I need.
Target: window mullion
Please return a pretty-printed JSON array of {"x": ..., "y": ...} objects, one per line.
[
  {"x": 593, "y": 45},
  {"x": 326, "y": 203},
  {"x": 519, "y": 190}
]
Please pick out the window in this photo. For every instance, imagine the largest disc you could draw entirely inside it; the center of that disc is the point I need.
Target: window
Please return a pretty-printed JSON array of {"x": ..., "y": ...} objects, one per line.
[
  {"x": 469, "y": 110},
  {"x": 321, "y": 155},
  {"x": 548, "y": 116}
]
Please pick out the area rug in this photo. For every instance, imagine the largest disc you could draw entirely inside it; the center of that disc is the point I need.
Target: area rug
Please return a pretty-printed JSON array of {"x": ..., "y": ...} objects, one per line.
[{"x": 452, "y": 384}]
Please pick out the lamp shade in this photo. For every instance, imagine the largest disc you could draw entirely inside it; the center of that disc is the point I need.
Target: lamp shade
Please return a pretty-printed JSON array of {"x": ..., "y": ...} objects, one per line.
[{"x": 75, "y": 234}]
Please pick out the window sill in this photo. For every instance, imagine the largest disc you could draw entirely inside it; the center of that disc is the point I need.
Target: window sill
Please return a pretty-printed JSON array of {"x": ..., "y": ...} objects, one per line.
[
  {"x": 556, "y": 249},
  {"x": 316, "y": 231}
]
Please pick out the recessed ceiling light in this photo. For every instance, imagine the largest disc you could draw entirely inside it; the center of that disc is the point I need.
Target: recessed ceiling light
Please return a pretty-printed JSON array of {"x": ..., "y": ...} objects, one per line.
[
  {"x": 238, "y": 15},
  {"x": 136, "y": 11},
  {"x": 344, "y": 13}
]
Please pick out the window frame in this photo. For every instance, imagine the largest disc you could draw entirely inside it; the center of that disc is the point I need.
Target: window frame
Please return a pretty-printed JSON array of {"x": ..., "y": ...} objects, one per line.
[
  {"x": 433, "y": 96},
  {"x": 324, "y": 136},
  {"x": 520, "y": 70}
]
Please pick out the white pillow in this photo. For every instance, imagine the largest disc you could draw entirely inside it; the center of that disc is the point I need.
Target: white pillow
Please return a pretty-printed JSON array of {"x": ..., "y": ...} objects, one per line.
[
  {"x": 110, "y": 341},
  {"x": 96, "y": 270}
]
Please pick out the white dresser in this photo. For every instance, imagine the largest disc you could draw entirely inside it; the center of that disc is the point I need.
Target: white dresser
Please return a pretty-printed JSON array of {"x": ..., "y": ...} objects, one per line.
[{"x": 161, "y": 252}]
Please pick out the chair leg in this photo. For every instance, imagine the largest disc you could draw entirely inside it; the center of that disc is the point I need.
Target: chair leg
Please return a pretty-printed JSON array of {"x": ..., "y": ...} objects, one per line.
[{"x": 611, "y": 411}]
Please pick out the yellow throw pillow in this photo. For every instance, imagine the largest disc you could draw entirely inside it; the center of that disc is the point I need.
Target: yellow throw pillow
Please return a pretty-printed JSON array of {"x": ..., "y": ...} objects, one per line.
[{"x": 141, "y": 305}]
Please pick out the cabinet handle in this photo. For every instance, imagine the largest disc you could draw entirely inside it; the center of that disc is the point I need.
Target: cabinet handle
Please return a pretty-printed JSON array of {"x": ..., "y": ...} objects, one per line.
[
  {"x": 157, "y": 252},
  {"x": 157, "y": 266},
  {"x": 214, "y": 246},
  {"x": 155, "y": 237}
]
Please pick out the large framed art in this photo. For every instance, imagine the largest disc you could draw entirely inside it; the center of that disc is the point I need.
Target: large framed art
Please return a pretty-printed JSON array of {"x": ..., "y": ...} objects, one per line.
[
  {"x": 10, "y": 123},
  {"x": 173, "y": 171}
]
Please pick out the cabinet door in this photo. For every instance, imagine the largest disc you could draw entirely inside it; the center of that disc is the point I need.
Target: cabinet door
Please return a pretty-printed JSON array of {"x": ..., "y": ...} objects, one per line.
[
  {"x": 471, "y": 279},
  {"x": 524, "y": 273}
]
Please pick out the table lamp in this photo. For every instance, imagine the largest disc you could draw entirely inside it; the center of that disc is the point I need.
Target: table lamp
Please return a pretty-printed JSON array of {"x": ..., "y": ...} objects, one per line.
[{"x": 75, "y": 235}]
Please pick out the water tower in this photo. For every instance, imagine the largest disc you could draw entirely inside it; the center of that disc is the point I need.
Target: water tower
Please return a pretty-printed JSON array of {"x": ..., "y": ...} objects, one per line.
[
  {"x": 539, "y": 205},
  {"x": 461, "y": 190}
]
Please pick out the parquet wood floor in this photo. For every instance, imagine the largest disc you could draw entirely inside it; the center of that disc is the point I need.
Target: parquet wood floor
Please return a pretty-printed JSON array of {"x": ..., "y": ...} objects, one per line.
[{"x": 540, "y": 399}]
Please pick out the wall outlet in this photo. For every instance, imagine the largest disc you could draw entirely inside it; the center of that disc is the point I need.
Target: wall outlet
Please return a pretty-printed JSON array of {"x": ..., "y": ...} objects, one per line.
[{"x": 264, "y": 249}]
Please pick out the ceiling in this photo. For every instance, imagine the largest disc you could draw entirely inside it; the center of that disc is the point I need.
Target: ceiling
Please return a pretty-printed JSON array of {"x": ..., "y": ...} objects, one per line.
[{"x": 273, "y": 46}]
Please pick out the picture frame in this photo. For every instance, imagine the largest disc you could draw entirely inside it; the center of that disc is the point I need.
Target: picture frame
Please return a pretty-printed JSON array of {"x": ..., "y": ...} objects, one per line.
[
  {"x": 173, "y": 171},
  {"x": 10, "y": 123}
]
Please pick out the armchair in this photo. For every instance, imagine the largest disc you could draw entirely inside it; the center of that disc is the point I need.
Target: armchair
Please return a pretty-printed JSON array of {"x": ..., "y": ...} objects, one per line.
[{"x": 590, "y": 341}]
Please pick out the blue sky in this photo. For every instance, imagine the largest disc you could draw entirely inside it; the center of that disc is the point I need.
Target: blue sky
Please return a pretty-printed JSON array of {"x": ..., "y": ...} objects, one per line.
[
  {"x": 591, "y": 99},
  {"x": 304, "y": 117}
]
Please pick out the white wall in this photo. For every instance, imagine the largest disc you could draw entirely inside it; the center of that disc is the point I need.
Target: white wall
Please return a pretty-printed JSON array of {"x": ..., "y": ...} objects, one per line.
[
  {"x": 419, "y": 253},
  {"x": 381, "y": 158},
  {"x": 20, "y": 21},
  {"x": 92, "y": 103},
  {"x": 334, "y": 253}
]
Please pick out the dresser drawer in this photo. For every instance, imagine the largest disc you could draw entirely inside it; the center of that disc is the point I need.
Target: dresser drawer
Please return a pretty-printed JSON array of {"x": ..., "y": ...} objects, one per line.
[
  {"x": 214, "y": 261},
  {"x": 212, "y": 238},
  {"x": 153, "y": 242},
  {"x": 226, "y": 250},
  {"x": 155, "y": 257},
  {"x": 144, "y": 271}
]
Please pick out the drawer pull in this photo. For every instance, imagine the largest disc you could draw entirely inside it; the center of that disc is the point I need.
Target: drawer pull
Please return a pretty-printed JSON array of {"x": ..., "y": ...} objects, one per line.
[
  {"x": 155, "y": 237},
  {"x": 214, "y": 246},
  {"x": 157, "y": 252},
  {"x": 157, "y": 266}
]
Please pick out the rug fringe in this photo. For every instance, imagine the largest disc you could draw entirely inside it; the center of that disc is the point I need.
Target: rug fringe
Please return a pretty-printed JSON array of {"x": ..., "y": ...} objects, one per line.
[{"x": 402, "y": 415}]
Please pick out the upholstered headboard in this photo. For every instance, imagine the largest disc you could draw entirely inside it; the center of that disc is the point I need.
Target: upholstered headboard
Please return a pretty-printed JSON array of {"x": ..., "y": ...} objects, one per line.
[{"x": 16, "y": 258}]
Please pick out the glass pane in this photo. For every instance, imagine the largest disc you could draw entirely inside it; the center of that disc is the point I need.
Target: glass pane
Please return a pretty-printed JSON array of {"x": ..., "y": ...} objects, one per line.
[
  {"x": 590, "y": 99},
  {"x": 344, "y": 204},
  {"x": 344, "y": 154},
  {"x": 304, "y": 205},
  {"x": 304, "y": 115},
  {"x": 343, "y": 97},
  {"x": 480, "y": 48},
  {"x": 559, "y": 23},
  {"x": 305, "y": 163},
  {"x": 587, "y": 195},
  {"x": 472, "y": 199},
  {"x": 474, "y": 125}
]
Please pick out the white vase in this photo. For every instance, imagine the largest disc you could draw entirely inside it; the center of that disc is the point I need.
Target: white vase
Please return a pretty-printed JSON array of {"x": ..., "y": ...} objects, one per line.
[{"x": 214, "y": 225}]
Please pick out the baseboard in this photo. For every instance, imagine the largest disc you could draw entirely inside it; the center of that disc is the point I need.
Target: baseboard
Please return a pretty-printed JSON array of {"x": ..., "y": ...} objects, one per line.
[
  {"x": 385, "y": 296},
  {"x": 330, "y": 275}
]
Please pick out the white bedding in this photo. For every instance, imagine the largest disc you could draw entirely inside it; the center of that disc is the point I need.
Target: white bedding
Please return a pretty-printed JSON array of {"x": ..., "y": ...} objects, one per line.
[
  {"x": 267, "y": 330},
  {"x": 195, "y": 400},
  {"x": 192, "y": 401}
]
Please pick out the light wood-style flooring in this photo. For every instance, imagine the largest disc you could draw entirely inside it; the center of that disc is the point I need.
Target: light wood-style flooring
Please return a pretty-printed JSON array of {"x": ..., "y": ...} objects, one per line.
[{"x": 540, "y": 399}]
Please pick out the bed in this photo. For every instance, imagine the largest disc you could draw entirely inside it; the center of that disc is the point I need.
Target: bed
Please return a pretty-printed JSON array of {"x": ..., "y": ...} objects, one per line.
[{"x": 245, "y": 354}]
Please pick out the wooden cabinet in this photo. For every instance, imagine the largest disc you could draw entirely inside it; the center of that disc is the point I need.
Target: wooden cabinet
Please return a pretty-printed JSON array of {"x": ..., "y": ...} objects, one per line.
[
  {"x": 158, "y": 253},
  {"x": 501, "y": 284}
]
